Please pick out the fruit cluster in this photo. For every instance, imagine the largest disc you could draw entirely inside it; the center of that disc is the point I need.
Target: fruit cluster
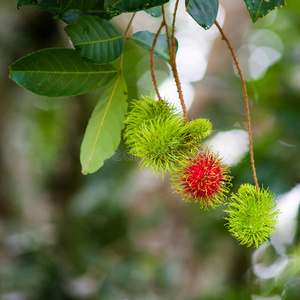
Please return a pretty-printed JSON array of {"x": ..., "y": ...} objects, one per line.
[{"x": 166, "y": 143}]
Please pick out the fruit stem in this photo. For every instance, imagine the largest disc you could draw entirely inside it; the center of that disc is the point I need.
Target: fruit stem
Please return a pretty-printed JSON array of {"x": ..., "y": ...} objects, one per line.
[
  {"x": 125, "y": 35},
  {"x": 172, "y": 54},
  {"x": 224, "y": 37},
  {"x": 129, "y": 24},
  {"x": 152, "y": 61}
]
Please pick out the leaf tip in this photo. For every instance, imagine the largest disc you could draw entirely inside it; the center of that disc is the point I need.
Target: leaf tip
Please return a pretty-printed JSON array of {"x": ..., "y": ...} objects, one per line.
[
  {"x": 85, "y": 170},
  {"x": 9, "y": 72}
]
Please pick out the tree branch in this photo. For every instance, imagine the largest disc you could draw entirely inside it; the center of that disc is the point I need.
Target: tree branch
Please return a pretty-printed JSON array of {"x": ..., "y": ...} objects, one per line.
[
  {"x": 172, "y": 54},
  {"x": 152, "y": 61}
]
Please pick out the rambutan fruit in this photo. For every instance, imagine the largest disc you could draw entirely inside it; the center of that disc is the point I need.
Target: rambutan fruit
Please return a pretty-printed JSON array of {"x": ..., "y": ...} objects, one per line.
[
  {"x": 204, "y": 179},
  {"x": 252, "y": 217},
  {"x": 161, "y": 137}
]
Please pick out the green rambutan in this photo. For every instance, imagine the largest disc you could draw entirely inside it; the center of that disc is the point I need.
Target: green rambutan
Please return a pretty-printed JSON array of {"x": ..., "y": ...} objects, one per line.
[
  {"x": 145, "y": 110},
  {"x": 251, "y": 215},
  {"x": 198, "y": 129},
  {"x": 160, "y": 136}
]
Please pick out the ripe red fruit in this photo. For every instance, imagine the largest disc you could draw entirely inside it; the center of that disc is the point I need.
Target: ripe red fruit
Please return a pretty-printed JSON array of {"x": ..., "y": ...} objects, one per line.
[{"x": 205, "y": 179}]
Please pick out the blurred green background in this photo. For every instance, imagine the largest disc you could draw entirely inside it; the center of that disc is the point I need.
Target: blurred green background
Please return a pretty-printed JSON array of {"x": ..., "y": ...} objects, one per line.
[{"x": 121, "y": 233}]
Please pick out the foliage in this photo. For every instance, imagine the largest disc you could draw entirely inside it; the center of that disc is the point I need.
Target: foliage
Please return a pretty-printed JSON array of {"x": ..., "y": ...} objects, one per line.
[
  {"x": 59, "y": 73},
  {"x": 258, "y": 9},
  {"x": 165, "y": 140},
  {"x": 104, "y": 127},
  {"x": 104, "y": 42},
  {"x": 145, "y": 39},
  {"x": 203, "y": 12},
  {"x": 67, "y": 236},
  {"x": 63, "y": 72},
  {"x": 72, "y": 10}
]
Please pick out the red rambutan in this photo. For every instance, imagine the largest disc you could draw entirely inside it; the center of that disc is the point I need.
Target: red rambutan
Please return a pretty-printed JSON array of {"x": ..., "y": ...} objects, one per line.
[{"x": 204, "y": 179}]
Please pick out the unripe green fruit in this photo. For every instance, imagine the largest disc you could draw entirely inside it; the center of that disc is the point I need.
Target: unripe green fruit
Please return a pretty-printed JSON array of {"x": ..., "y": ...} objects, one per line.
[
  {"x": 161, "y": 137},
  {"x": 251, "y": 215}
]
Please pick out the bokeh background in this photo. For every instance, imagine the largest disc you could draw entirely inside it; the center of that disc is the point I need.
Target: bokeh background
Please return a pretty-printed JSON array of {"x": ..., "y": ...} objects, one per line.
[{"x": 121, "y": 233}]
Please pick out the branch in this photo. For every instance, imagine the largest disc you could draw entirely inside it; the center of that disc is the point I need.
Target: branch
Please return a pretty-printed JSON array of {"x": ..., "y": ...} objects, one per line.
[
  {"x": 125, "y": 35},
  {"x": 152, "y": 62},
  {"x": 173, "y": 30},
  {"x": 172, "y": 54},
  {"x": 129, "y": 24}
]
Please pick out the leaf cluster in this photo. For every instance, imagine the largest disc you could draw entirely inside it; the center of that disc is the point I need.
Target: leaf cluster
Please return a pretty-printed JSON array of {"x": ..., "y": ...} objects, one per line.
[
  {"x": 154, "y": 130},
  {"x": 204, "y": 12},
  {"x": 98, "y": 43},
  {"x": 251, "y": 215},
  {"x": 69, "y": 10},
  {"x": 61, "y": 72}
]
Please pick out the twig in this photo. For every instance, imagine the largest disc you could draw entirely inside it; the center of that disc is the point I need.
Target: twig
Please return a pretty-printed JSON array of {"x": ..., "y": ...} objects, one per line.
[
  {"x": 129, "y": 24},
  {"x": 125, "y": 35},
  {"x": 168, "y": 36},
  {"x": 173, "y": 30},
  {"x": 152, "y": 61},
  {"x": 246, "y": 101},
  {"x": 172, "y": 54}
]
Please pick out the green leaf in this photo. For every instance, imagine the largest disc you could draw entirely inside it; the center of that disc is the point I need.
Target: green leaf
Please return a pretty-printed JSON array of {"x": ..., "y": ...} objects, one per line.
[
  {"x": 145, "y": 39},
  {"x": 103, "y": 133},
  {"x": 204, "y": 12},
  {"x": 26, "y": 2},
  {"x": 96, "y": 39},
  {"x": 154, "y": 11},
  {"x": 83, "y": 5},
  {"x": 59, "y": 72},
  {"x": 131, "y": 6},
  {"x": 52, "y": 6},
  {"x": 259, "y": 8},
  {"x": 64, "y": 5},
  {"x": 71, "y": 10}
]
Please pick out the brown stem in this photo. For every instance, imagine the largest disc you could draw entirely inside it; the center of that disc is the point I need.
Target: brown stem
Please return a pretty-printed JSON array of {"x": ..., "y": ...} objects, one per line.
[
  {"x": 121, "y": 64},
  {"x": 167, "y": 33},
  {"x": 125, "y": 35},
  {"x": 152, "y": 61},
  {"x": 172, "y": 54},
  {"x": 173, "y": 30},
  {"x": 129, "y": 24},
  {"x": 246, "y": 102}
]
